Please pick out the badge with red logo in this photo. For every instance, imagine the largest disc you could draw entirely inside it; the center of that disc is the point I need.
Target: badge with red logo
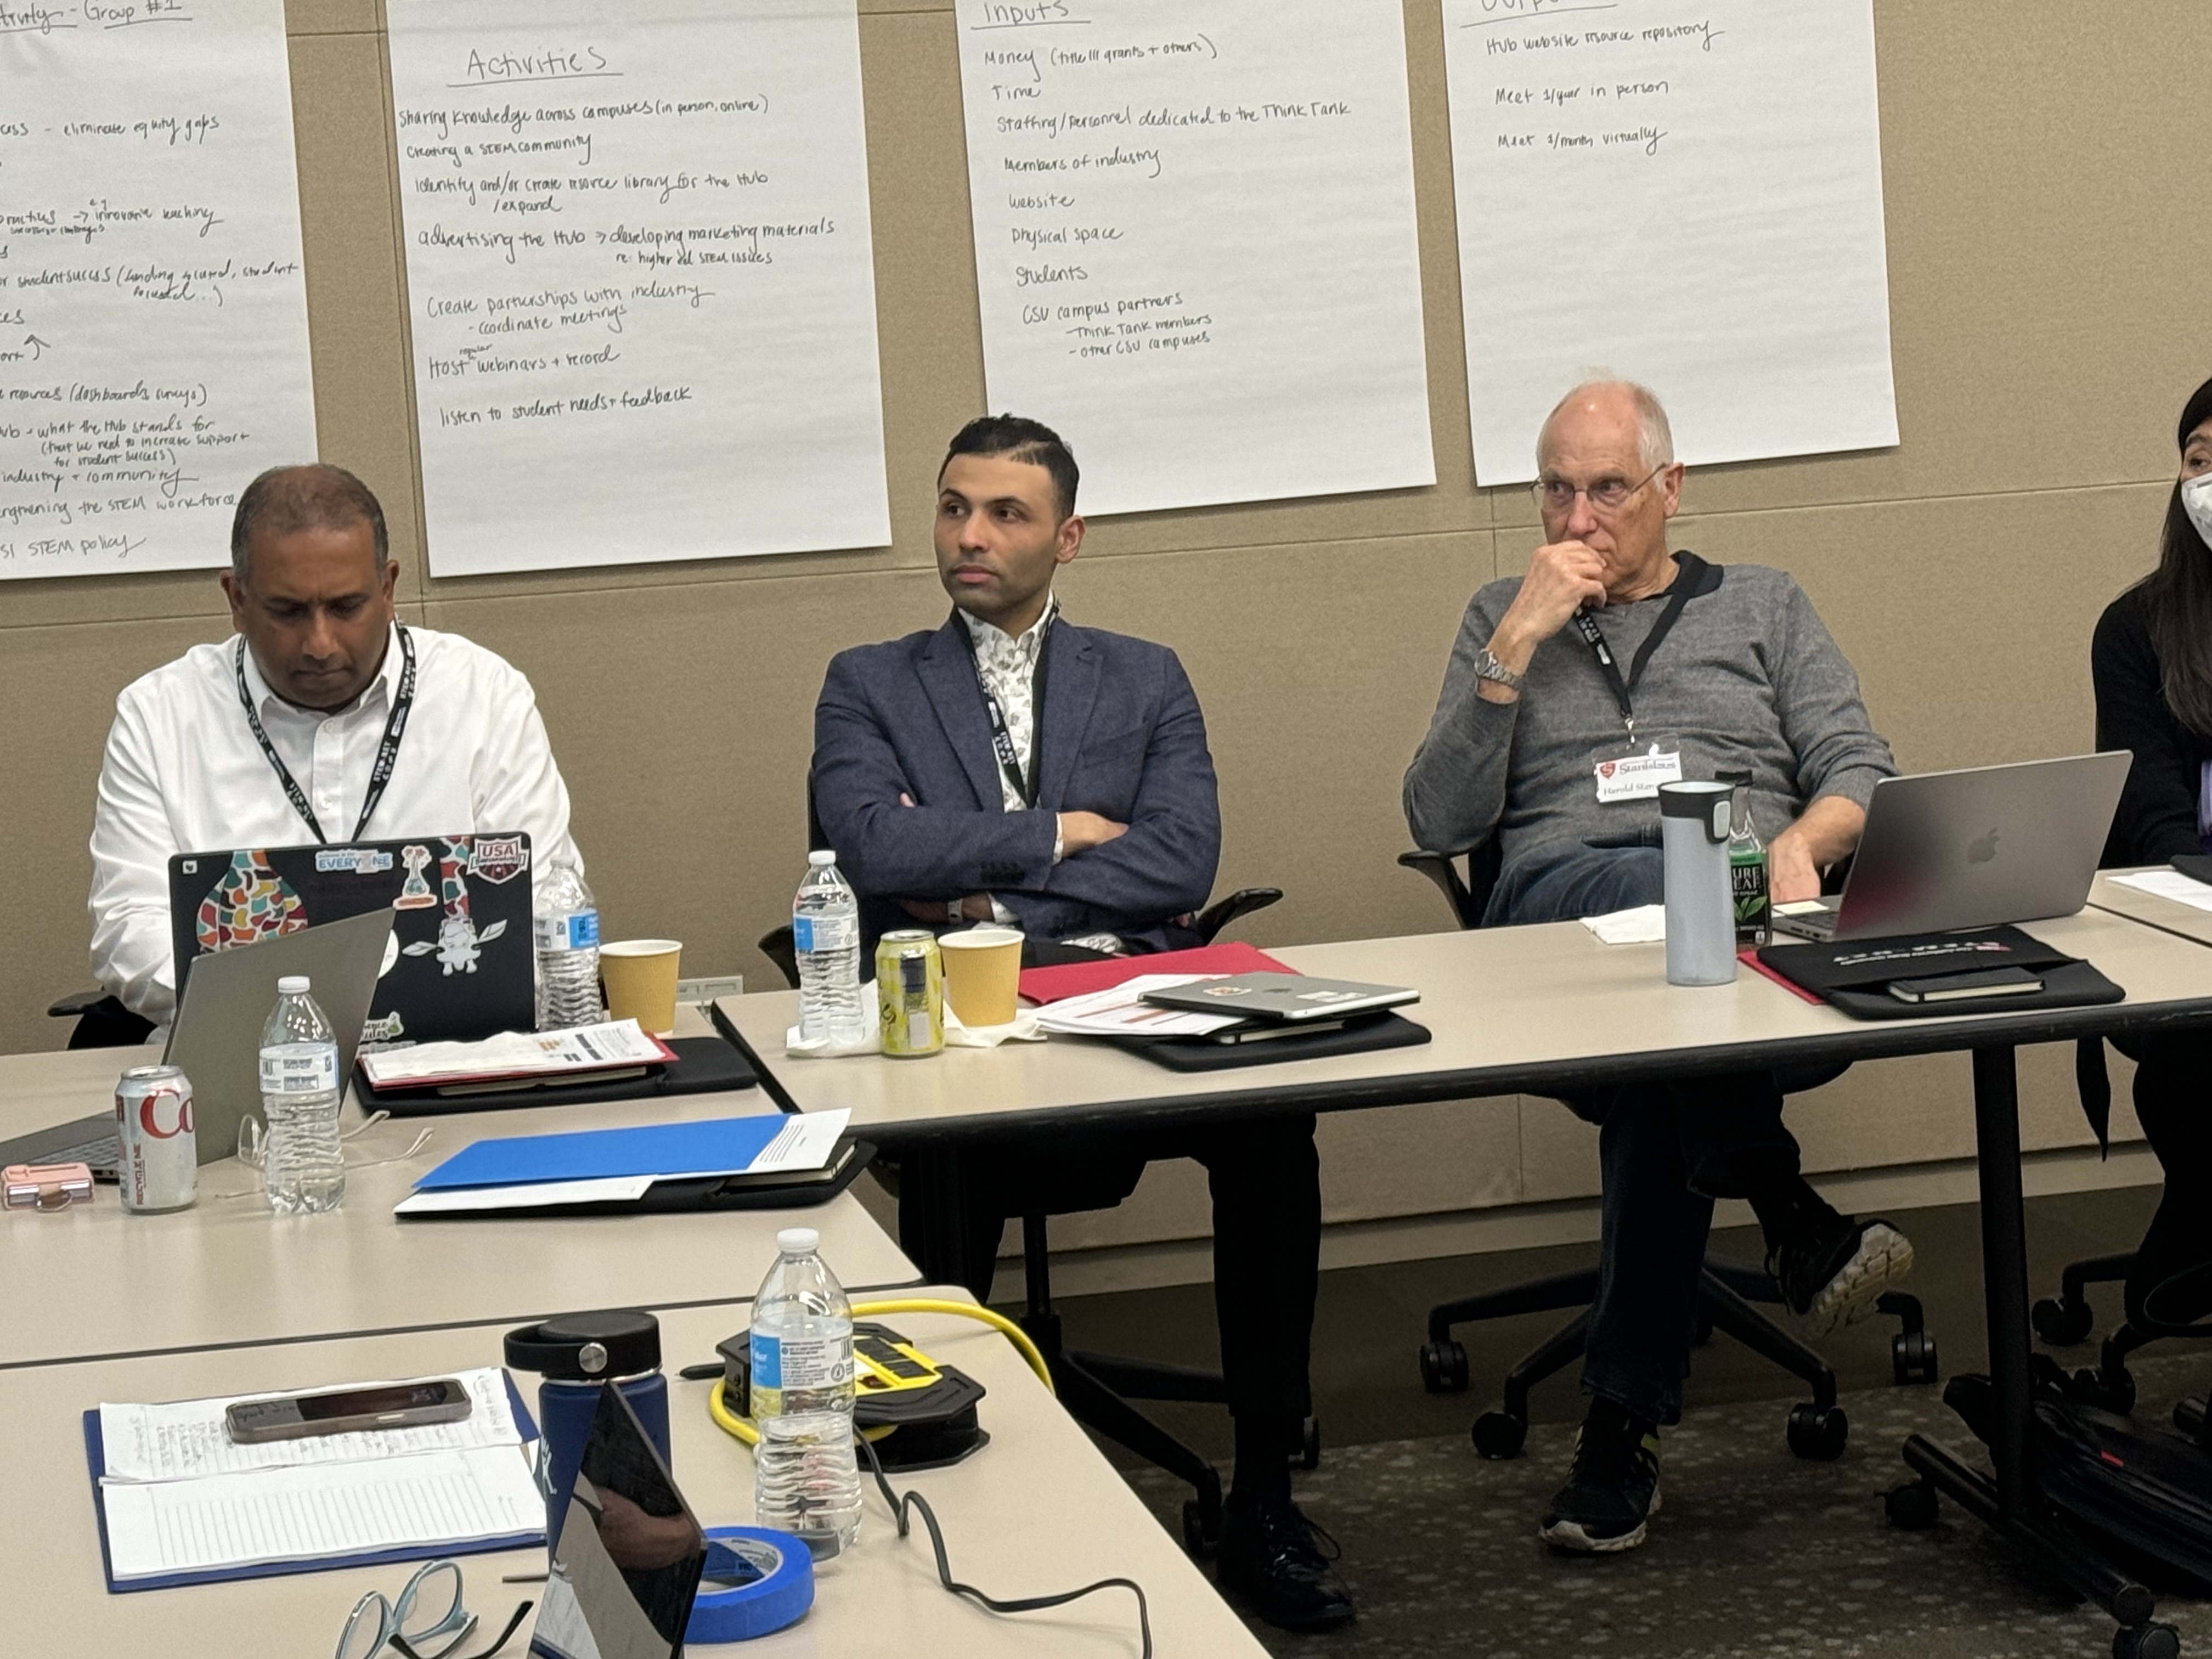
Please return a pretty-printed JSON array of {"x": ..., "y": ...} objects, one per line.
[{"x": 497, "y": 859}]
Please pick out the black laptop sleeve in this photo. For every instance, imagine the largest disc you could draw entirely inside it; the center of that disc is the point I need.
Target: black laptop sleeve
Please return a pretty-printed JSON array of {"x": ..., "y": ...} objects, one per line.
[
  {"x": 704, "y": 1065},
  {"x": 1854, "y": 977}
]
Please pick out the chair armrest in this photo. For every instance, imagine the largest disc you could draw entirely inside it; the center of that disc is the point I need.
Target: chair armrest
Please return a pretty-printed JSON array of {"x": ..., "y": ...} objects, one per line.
[
  {"x": 1440, "y": 869},
  {"x": 1223, "y": 911},
  {"x": 778, "y": 946},
  {"x": 74, "y": 1003}
]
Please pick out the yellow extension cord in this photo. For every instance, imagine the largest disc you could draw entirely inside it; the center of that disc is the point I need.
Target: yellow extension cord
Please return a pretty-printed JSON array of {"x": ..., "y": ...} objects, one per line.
[{"x": 742, "y": 1428}]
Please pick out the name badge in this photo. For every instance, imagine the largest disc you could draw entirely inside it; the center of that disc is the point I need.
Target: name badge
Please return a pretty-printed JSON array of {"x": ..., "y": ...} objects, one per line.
[{"x": 1635, "y": 771}]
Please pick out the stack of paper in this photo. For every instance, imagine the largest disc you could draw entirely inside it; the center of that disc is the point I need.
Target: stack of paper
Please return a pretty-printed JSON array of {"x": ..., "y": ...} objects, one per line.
[
  {"x": 1121, "y": 1012},
  {"x": 594, "y": 1166},
  {"x": 513, "y": 1055},
  {"x": 181, "y": 1501}
]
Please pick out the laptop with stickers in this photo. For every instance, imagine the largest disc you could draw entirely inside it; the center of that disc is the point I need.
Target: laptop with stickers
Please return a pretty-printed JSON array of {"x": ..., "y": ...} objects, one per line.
[{"x": 460, "y": 963}]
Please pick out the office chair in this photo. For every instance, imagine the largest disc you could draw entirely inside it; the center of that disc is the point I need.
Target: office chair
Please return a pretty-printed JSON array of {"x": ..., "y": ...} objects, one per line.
[
  {"x": 1097, "y": 1388},
  {"x": 102, "y": 1022},
  {"x": 2066, "y": 1319},
  {"x": 1816, "y": 1429}
]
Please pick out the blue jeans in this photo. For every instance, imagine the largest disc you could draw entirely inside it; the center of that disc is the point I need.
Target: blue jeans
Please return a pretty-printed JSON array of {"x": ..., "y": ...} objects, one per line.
[{"x": 1666, "y": 1151}]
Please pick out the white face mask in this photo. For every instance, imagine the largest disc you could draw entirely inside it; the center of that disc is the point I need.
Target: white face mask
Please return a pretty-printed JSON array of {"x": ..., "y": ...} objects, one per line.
[{"x": 2197, "y": 502}]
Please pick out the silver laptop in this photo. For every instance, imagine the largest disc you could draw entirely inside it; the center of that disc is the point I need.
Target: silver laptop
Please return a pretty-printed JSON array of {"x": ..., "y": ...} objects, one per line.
[
  {"x": 216, "y": 1037},
  {"x": 1974, "y": 848}
]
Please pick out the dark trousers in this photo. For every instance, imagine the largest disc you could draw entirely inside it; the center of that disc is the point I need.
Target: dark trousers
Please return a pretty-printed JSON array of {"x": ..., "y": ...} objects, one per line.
[
  {"x": 1665, "y": 1153},
  {"x": 1265, "y": 1180},
  {"x": 2173, "y": 1099}
]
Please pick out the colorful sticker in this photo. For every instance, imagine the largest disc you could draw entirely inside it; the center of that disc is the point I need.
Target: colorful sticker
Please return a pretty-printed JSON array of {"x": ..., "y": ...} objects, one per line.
[
  {"x": 498, "y": 857},
  {"x": 414, "y": 892},
  {"x": 250, "y": 903}
]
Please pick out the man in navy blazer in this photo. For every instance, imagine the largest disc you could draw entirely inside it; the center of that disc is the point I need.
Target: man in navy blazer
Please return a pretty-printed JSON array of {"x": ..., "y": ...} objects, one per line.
[{"x": 1011, "y": 766}]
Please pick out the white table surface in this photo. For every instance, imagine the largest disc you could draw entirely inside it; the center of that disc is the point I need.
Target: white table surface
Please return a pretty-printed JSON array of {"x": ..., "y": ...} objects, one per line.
[
  {"x": 1500, "y": 1003},
  {"x": 92, "y": 1281},
  {"x": 1037, "y": 1510}
]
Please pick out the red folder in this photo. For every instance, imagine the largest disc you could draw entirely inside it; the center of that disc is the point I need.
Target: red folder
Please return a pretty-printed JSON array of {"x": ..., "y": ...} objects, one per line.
[{"x": 1077, "y": 979}]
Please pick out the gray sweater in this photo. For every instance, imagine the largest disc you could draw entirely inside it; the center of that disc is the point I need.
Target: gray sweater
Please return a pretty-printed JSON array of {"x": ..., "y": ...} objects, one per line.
[{"x": 1748, "y": 679}]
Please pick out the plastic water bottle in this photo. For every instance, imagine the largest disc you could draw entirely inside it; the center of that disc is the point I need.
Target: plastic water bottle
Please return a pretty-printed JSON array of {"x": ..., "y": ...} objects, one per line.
[
  {"x": 300, "y": 1092},
  {"x": 805, "y": 1478},
  {"x": 825, "y": 933},
  {"x": 566, "y": 922}
]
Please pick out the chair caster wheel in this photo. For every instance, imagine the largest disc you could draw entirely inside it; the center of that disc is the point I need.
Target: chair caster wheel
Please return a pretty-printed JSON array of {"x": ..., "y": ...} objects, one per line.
[
  {"x": 1818, "y": 1433},
  {"x": 1443, "y": 1367},
  {"x": 1201, "y": 1527},
  {"x": 1307, "y": 1456},
  {"x": 1499, "y": 1436},
  {"x": 1912, "y": 1357},
  {"x": 2111, "y": 1391},
  {"x": 2146, "y": 1642},
  {"x": 1912, "y": 1507},
  {"x": 2062, "y": 1324}
]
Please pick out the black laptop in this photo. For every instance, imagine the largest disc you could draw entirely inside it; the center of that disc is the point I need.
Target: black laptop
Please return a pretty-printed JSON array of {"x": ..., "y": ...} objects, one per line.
[{"x": 459, "y": 966}]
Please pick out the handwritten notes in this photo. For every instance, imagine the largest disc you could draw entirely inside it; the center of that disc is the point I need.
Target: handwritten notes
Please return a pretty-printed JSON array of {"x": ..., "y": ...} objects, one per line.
[
  {"x": 153, "y": 312},
  {"x": 1195, "y": 242},
  {"x": 639, "y": 280},
  {"x": 1686, "y": 192}
]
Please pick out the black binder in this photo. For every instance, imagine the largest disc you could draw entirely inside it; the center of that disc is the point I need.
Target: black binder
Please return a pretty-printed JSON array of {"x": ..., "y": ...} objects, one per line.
[
  {"x": 704, "y": 1064},
  {"x": 1854, "y": 977}
]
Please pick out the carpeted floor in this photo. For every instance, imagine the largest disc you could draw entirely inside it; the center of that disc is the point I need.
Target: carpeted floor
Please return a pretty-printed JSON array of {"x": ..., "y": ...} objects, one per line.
[{"x": 1754, "y": 1552}]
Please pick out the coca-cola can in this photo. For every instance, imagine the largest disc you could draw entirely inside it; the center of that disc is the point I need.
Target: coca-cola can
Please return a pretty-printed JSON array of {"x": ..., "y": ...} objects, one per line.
[{"x": 158, "y": 1151}]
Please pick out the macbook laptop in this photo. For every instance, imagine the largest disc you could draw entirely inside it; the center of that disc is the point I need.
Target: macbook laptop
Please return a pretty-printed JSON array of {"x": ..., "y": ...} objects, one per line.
[
  {"x": 460, "y": 907},
  {"x": 1975, "y": 849},
  {"x": 216, "y": 1037}
]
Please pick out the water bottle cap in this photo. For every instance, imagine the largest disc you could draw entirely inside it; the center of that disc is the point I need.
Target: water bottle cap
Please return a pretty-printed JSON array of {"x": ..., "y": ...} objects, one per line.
[
  {"x": 798, "y": 1241},
  {"x": 291, "y": 985},
  {"x": 587, "y": 1348},
  {"x": 820, "y": 857}
]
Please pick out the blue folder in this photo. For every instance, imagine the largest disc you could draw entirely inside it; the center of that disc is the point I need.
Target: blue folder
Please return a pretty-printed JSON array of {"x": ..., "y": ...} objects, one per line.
[
  {"x": 716, "y": 1145},
  {"x": 95, "y": 1453}
]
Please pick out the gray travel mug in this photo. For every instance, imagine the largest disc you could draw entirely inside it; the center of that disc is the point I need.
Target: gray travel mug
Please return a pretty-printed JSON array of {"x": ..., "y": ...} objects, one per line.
[{"x": 1694, "y": 824}]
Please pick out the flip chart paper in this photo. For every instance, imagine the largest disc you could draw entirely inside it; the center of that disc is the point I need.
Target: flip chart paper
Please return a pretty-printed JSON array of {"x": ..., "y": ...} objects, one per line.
[
  {"x": 153, "y": 311},
  {"x": 1195, "y": 246},
  {"x": 639, "y": 280},
  {"x": 1685, "y": 195}
]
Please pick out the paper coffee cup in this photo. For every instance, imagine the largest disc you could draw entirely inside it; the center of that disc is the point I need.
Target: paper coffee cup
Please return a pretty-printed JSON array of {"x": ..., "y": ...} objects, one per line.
[
  {"x": 640, "y": 975},
  {"x": 982, "y": 973}
]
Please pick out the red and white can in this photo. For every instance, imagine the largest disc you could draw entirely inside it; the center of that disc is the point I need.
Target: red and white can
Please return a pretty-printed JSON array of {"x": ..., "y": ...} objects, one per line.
[{"x": 158, "y": 1160}]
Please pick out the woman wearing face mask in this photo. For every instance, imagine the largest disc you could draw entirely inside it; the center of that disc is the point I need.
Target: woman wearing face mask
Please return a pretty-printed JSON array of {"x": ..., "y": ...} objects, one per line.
[{"x": 2151, "y": 664}]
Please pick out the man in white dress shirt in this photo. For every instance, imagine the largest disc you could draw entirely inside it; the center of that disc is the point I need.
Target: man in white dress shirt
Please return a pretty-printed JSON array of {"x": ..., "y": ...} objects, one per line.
[{"x": 323, "y": 718}]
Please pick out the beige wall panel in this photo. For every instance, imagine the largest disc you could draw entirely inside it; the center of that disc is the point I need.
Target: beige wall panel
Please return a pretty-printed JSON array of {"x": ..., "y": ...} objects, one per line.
[
  {"x": 1318, "y": 665},
  {"x": 59, "y": 686},
  {"x": 333, "y": 16},
  {"x": 364, "y": 416},
  {"x": 683, "y": 720},
  {"x": 1559, "y": 1153},
  {"x": 1412, "y": 1160}
]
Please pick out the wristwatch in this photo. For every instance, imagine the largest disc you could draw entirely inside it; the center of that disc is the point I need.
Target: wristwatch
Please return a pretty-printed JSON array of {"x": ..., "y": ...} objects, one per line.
[{"x": 1487, "y": 667}]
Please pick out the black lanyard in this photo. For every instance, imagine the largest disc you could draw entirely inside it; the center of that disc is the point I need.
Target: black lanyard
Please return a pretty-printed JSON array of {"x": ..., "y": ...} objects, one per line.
[
  {"x": 388, "y": 752},
  {"x": 1024, "y": 779},
  {"x": 1689, "y": 572}
]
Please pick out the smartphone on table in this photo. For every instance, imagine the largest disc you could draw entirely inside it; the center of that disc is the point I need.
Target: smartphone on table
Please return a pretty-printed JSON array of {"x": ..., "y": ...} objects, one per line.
[{"x": 346, "y": 1411}]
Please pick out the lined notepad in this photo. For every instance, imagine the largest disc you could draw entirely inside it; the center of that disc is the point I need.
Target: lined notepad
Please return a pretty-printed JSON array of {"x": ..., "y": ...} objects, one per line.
[{"x": 317, "y": 1512}]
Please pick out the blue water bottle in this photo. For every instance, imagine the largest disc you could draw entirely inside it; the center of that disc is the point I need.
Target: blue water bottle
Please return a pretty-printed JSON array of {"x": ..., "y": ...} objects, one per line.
[{"x": 578, "y": 1355}]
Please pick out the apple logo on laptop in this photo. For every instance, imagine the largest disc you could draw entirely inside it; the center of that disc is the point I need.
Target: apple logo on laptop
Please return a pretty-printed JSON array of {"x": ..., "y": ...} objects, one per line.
[{"x": 1982, "y": 851}]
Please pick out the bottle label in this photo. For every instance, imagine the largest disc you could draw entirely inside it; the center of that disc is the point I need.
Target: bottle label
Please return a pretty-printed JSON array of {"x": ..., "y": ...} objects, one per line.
[
  {"x": 577, "y": 931},
  {"x": 1748, "y": 883},
  {"x": 810, "y": 933},
  {"x": 798, "y": 1362},
  {"x": 293, "y": 1068}
]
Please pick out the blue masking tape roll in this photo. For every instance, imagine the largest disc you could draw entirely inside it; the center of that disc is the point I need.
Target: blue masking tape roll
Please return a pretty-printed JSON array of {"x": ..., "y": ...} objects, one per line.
[{"x": 756, "y": 1580}]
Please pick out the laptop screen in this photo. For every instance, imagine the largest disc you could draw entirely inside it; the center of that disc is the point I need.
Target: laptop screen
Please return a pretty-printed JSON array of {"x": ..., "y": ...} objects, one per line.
[
  {"x": 461, "y": 964},
  {"x": 628, "y": 1566}
]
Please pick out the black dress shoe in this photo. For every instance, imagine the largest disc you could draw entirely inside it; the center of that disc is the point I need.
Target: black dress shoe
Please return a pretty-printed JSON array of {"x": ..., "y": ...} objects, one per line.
[{"x": 1269, "y": 1560}]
